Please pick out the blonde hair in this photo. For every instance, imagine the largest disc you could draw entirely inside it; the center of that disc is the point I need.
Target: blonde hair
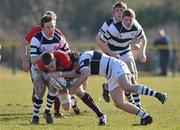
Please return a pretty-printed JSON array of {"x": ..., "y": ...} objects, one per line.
[
  {"x": 49, "y": 12},
  {"x": 119, "y": 4}
]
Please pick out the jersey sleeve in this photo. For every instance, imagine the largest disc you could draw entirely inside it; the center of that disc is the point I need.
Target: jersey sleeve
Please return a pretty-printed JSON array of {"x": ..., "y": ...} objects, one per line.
[
  {"x": 110, "y": 33},
  {"x": 64, "y": 46},
  {"x": 84, "y": 61},
  {"x": 34, "y": 47},
  {"x": 30, "y": 34},
  {"x": 103, "y": 29},
  {"x": 140, "y": 31},
  {"x": 59, "y": 32}
]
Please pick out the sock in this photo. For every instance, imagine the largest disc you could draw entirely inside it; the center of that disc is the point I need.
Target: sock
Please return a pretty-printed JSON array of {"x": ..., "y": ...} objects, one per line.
[
  {"x": 73, "y": 102},
  {"x": 146, "y": 91},
  {"x": 88, "y": 100},
  {"x": 50, "y": 100},
  {"x": 129, "y": 97},
  {"x": 142, "y": 114},
  {"x": 37, "y": 105},
  {"x": 136, "y": 98},
  {"x": 57, "y": 105}
]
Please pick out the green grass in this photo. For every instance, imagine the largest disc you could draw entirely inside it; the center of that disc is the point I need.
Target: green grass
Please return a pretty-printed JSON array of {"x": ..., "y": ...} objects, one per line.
[{"x": 16, "y": 109}]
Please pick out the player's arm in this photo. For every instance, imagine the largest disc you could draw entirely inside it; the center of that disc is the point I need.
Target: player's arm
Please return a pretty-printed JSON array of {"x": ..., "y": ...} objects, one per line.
[
  {"x": 64, "y": 46},
  {"x": 85, "y": 73},
  {"x": 65, "y": 74},
  {"x": 104, "y": 39},
  {"x": 102, "y": 45},
  {"x": 142, "y": 51},
  {"x": 142, "y": 40},
  {"x": 24, "y": 55},
  {"x": 67, "y": 65},
  {"x": 35, "y": 54}
]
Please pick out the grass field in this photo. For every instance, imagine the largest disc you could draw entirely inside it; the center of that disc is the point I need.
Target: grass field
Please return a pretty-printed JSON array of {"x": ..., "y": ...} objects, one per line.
[{"x": 16, "y": 109}]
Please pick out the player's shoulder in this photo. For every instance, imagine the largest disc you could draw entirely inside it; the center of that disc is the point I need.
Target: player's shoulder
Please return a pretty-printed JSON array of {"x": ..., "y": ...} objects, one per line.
[
  {"x": 38, "y": 35},
  {"x": 109, "y": 21},
  {"x": 59, "y": 53},
  {"x": 59, "y": 32},
  {"x": 118, "y": 25},
  {"x": 32, "y": 32},
  {"x": 35, "y": 30},
  {"x": 136, "y": 24},
  {"x": 86, "y": 54},
  {"x": 114, "y": 27},
  {"x": 37, "y": 27}
]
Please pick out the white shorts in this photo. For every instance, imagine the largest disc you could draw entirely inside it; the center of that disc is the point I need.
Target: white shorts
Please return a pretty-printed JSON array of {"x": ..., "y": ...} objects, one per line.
[
  {"x": 37, "y": 73},
  {"x": 118, "y": 68},
  {"x": 128, "y": 58}
]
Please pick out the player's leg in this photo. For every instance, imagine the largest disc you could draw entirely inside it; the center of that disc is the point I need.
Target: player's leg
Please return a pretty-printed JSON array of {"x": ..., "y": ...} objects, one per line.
[
  {"x": 117, "y": 95},
  {"x": 125, "y": 84},
  {"x": 50, "y": 100},
  {"x": 134, "y": 80},
  {"x": 105, "y": 94},
  {"x": 74, "y": 105},
  {"x": 33, "y": 92},
  {"x": 65, "y": 99},
  {"x": 57, "y": 112},
  {"x": 130, "y": 62},
  {"x": 40, "y": 88},
  {"x": 89, "y": 101}
]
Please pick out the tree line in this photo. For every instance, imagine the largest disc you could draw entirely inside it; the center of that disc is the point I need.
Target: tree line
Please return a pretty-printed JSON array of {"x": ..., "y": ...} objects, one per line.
[{"x": 79, "y": 19}]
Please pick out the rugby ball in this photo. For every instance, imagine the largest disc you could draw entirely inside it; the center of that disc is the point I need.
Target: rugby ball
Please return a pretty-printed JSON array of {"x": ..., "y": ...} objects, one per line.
[{"x": 59, "y": 83}]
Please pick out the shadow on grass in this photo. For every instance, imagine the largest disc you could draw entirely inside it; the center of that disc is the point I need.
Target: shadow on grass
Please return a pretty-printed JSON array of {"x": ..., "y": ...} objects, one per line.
[
  {"x": 24, "y": 119},
  {"x": 136, "y": 125},
  {"x": 14, "y": 116}
]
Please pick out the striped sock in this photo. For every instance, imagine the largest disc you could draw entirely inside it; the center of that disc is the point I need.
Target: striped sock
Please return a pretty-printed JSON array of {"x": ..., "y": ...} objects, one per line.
[
  {"x": 146, "y": 91},
  {"x": 50, "y": 100},
  {"x": 37, "y": 105},
  {"x": 129, "y": 97},
  {"x": 136, "y": 98},
  {"x": 142, "y": 114}
]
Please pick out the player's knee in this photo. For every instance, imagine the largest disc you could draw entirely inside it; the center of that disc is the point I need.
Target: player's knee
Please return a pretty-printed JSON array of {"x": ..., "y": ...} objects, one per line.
[
  {"x": 65, "y": 101},
  {"x": 80, "y": 91},
  {"x": 120, "y": 104},
  {"x": 66, "y": 106}
]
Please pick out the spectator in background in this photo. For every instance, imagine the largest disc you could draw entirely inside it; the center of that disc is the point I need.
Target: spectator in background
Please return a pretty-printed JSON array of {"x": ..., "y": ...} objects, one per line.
[{"x": 165, "y": 51}]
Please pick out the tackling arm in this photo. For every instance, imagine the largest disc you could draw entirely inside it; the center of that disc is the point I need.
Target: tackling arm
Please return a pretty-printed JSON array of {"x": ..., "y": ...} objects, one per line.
[
  {"x": 65, "y": 74},
  {"x": 85, "y": 73}
]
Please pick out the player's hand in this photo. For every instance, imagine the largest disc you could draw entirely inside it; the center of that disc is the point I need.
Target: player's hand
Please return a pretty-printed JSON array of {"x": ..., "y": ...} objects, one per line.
[
  {"x": 71, "y": 90},
  {"x": 142, "y": 57},
  {"x": 55, "y": 74},
  {"x": 25, "y": 65}
]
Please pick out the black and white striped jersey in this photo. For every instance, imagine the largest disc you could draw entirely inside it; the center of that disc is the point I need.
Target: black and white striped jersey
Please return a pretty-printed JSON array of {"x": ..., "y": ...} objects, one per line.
[
  {"x": 106, "y": 25},
  {"x": 40, "y": 43},
  {"x": 119, "y": 38},
  {"x": 98, "y": 63}
]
